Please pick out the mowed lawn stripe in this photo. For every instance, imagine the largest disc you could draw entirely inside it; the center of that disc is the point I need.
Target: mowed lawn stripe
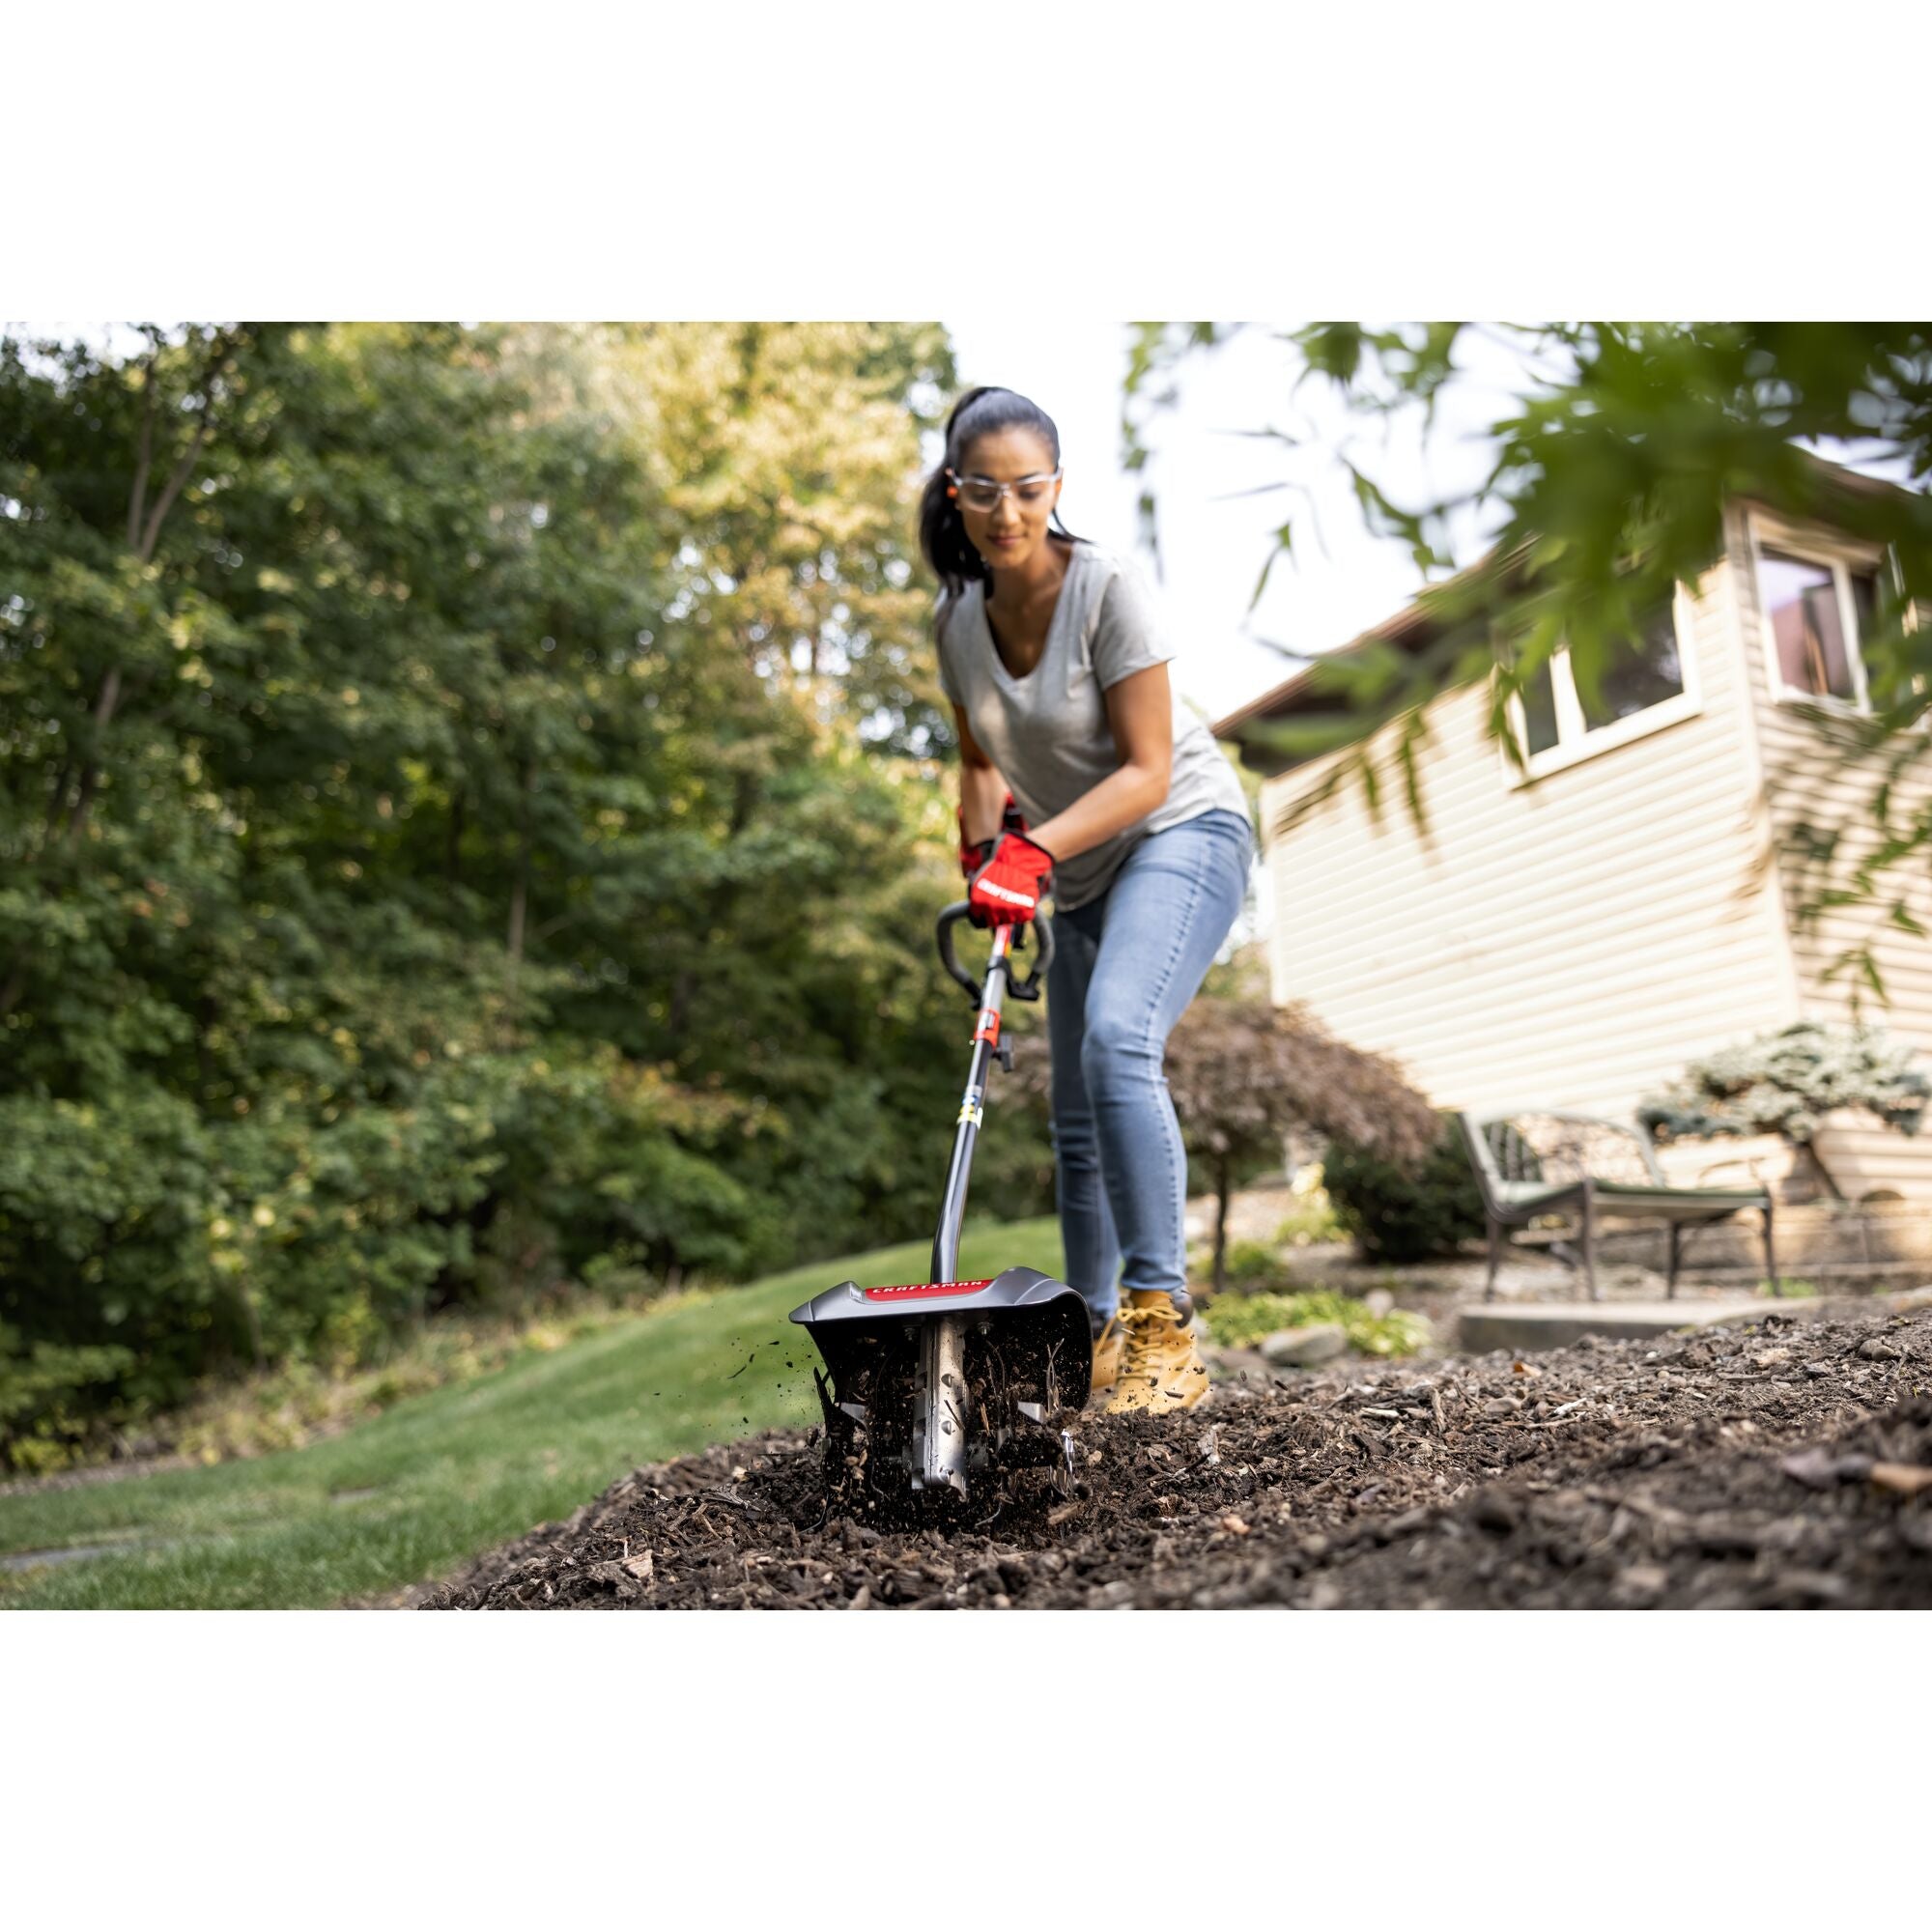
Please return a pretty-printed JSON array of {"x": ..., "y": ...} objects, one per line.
[{"x": 408, "y": 1496}]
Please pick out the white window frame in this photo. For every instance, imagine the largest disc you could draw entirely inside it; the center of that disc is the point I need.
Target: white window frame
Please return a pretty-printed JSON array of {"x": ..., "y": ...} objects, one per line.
[
  {"x": 1813, "y": 543},
  {"x": 1575, "y": 739}
]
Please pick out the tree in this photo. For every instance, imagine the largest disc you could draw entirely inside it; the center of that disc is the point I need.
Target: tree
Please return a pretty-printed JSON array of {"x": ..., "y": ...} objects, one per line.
[
  {"x": 129, "y": 598},
  {"x": 1244, "y": 1072},
  {"x": 1787, "y": 1083},
  {"x": 510, "y": 849}
]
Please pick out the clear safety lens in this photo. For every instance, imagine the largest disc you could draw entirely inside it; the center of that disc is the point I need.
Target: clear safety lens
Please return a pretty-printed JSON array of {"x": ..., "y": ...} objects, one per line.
[{"x": 981, "y": 492}]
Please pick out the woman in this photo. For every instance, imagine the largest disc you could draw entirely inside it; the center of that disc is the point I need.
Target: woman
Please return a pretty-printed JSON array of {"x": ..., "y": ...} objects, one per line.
[{"x": 1058, "y": 674}]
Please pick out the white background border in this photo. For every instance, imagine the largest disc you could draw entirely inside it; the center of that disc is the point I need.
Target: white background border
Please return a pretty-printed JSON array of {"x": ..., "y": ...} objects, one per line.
[{"x": 874, "y": 160}]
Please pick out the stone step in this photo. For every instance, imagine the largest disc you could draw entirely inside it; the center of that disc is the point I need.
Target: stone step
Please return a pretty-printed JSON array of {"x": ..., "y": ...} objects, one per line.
[{"x": 1525, "y": 1326}]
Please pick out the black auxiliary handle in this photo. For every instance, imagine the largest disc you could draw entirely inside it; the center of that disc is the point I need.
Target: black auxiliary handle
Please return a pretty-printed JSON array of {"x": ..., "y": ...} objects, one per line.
[{"x": 1021, "y": 989}]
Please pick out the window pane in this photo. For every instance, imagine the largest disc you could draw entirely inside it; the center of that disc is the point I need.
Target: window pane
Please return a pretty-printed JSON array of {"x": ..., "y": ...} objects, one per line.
[
  {"x": 1638, "y": 677},
  {"x": 1864, "y": 603},
  {"x": 1802, "y": 603},
  {"x": 1539, "y": 710}
]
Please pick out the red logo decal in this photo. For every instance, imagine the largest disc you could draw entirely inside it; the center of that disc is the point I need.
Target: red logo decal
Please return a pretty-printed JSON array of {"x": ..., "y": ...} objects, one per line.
[{"x": 920, "y": 1291}]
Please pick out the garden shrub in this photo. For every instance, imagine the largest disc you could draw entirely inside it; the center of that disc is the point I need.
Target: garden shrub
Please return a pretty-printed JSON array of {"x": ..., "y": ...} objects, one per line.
[
  {"x": 1253, "y": 1265},
  {"x": 103, "y": 1233},
  {"x": 142, "y": 1248},
  {"x": 1788, "y": 1083},
  {"x": 1405, "y": 1212},
  {"x": 45, "y": 1398}
]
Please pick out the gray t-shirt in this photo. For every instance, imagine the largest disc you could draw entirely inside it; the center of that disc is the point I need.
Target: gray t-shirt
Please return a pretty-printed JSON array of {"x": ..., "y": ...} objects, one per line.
[{"x": 1048, "y": 731}]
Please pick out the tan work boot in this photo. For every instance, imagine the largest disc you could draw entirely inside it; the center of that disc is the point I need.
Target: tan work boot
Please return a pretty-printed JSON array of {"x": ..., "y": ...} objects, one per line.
[
  {"x": 1160, "y": 1367},
  {"x": 1108, "y": 1345}
]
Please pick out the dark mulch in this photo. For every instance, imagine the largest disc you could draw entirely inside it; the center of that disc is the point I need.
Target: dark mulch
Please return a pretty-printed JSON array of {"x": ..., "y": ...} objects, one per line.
[{"x": 1781, "y": 1466}]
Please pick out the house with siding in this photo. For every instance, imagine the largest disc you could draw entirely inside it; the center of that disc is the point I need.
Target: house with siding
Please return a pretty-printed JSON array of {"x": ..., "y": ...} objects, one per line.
[{"x": 1570, "y": 936}]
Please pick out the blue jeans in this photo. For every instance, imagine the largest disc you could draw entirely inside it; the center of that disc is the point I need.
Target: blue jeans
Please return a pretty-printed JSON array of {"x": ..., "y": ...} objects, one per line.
[{"x": 1125, "y": 967}]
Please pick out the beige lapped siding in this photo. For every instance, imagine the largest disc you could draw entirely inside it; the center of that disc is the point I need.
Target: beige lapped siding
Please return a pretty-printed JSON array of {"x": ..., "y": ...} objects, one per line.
[
  {"x": 1571, "y": 941},
  {"x": 1805, "y": 782}
]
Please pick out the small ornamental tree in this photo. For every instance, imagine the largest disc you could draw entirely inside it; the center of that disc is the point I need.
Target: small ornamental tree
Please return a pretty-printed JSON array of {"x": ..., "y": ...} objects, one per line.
[
  {"x": 1243, "y": 1072},
  {"x": 1785, "y": 1083}
]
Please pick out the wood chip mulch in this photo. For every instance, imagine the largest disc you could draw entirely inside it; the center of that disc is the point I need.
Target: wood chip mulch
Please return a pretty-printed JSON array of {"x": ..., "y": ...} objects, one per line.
[{"x": 1784, "y": 1465}]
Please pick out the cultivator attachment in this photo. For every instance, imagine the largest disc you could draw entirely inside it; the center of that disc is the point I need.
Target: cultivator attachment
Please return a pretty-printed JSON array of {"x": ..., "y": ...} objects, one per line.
[
  {"x": 941, "y": 1391},
  {"x": 938, "y": 1391}
]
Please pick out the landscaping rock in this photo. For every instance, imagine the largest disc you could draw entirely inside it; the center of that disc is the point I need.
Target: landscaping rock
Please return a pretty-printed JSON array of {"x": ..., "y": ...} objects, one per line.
[
  {"x": 1303, "y": 1348},
  {"x": 1379, "y": 1301}
]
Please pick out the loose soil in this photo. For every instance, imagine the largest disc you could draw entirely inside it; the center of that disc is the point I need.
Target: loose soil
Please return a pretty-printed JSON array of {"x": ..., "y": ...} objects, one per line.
[{"x": 1785, "y": 1466}]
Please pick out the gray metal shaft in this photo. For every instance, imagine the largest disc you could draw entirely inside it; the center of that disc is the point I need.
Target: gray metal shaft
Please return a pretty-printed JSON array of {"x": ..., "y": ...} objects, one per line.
[
  {"x": 958, "y": 1176},
  {"x": 942, "y": 1361}
]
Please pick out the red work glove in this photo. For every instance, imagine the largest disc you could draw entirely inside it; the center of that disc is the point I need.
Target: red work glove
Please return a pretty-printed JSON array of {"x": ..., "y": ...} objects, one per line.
[
  {"x": 1008, "y": 889},
  {"x": 973, "y": 854}
]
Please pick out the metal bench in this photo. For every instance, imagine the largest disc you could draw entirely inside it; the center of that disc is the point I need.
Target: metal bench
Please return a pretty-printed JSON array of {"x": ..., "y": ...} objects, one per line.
[{"x": 1529, "y": 1164}]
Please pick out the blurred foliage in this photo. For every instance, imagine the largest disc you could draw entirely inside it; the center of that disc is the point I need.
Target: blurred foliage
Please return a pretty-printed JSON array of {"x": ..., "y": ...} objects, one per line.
[
  {"x": 1311, "y": 1220},
  {"x": 1614, "y": 459},
  {"x": 1243, "y": 1321},
  {"x": 468, "y": 821},
  {"x": 48, "y": 1394},
  {"x": 1255, "y": 1265},
  {"x": 1252, "y": 1265},
  {"x": 1405, "y": 1210},
  {"x": 1787, "y": 1083}
]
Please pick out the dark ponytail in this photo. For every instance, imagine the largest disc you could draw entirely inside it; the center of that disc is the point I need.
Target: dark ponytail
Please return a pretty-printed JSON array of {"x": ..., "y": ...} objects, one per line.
[{"x": 942, "y": 530}]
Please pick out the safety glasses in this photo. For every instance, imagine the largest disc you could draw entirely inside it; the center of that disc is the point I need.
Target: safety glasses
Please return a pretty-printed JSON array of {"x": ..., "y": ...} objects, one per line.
[{"x": 983, "y": 493}]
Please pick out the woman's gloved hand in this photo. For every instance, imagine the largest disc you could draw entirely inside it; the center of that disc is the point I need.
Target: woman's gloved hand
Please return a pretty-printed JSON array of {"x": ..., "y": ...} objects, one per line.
[
  {"x": 1008, "y": 889},
  {"x": 973, "y": 853}
]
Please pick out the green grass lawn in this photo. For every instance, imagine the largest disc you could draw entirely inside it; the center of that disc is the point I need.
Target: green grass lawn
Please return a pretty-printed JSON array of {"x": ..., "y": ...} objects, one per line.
[{"x": 406, "y": 1496}]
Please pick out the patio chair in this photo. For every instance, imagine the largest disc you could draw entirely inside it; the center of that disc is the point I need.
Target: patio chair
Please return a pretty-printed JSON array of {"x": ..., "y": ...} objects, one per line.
[{"x": 1529, "y": 1164}]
